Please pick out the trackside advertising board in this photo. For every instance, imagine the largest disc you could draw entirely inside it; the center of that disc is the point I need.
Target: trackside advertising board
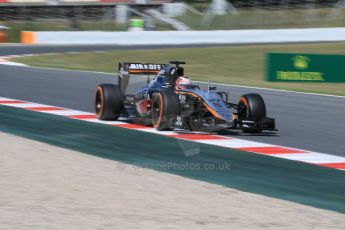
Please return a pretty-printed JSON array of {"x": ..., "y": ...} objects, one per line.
[{"x": 293, "y": 67}]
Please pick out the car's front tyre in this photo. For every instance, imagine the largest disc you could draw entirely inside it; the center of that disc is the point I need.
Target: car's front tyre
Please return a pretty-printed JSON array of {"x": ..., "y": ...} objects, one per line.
[{"x": 251, "y": 107}]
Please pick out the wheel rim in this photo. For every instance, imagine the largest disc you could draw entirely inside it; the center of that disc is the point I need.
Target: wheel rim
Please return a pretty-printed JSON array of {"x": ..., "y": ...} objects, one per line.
[
  {"x": 242, "y": 111},
  {"x": 156, "y": 111},
  {"x": 194, "y": 124},
  {"x": 99, "y": 102}
]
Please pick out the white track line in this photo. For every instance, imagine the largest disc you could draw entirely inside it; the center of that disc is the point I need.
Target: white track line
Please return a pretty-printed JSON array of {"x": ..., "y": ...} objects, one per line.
[
  {"x": 234, "y": 143},
  {"x": 313, "y": 157},
  {"x": 271, "y": 89}
]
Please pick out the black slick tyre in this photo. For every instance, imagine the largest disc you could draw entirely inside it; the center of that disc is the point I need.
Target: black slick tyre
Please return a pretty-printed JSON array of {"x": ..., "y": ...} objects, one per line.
[
  {"x": 108, "y": 102},
  {"x": 165, "y": 107},
  {"x": 251, "y": 107}
]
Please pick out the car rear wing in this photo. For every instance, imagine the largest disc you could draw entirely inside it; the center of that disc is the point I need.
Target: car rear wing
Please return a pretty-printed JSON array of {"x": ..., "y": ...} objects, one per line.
[{"x": 128, "y": 68}]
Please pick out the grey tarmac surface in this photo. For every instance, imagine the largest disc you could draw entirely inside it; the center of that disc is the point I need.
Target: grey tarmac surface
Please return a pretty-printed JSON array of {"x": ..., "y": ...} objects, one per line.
[{"x": 310, "y": 122}]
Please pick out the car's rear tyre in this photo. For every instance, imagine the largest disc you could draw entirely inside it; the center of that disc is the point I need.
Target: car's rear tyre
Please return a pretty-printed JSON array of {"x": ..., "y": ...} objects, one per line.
[
  {"x": 165, "y": 107},
  {"x": 251, "y": 107},
  {"x": 108, "y": 103}
]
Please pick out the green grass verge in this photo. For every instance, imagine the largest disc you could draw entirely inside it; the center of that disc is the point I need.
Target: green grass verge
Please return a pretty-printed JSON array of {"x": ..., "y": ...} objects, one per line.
[
  {"x": 241, "y": 65},
  {"x": 284, "y": 179}
]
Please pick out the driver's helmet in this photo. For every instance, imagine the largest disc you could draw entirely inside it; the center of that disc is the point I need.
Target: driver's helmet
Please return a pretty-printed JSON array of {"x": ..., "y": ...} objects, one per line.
[{"x": 183, "y": 82}]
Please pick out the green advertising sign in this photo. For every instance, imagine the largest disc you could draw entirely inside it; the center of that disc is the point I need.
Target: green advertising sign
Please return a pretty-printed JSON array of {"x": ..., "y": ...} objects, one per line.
[{"x": 289, "y": 67}]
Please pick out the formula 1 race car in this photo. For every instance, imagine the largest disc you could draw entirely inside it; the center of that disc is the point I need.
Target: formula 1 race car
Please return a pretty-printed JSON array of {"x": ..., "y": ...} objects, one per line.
[{"x": 166, "y": 99}]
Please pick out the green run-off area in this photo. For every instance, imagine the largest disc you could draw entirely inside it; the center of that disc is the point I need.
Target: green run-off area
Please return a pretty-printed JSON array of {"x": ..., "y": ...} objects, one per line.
[{"x": 293, "y": 181}]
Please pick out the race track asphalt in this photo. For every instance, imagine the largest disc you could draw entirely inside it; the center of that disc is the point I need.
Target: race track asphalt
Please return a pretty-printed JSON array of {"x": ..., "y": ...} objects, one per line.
[{"x": 311, "y": 122}]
